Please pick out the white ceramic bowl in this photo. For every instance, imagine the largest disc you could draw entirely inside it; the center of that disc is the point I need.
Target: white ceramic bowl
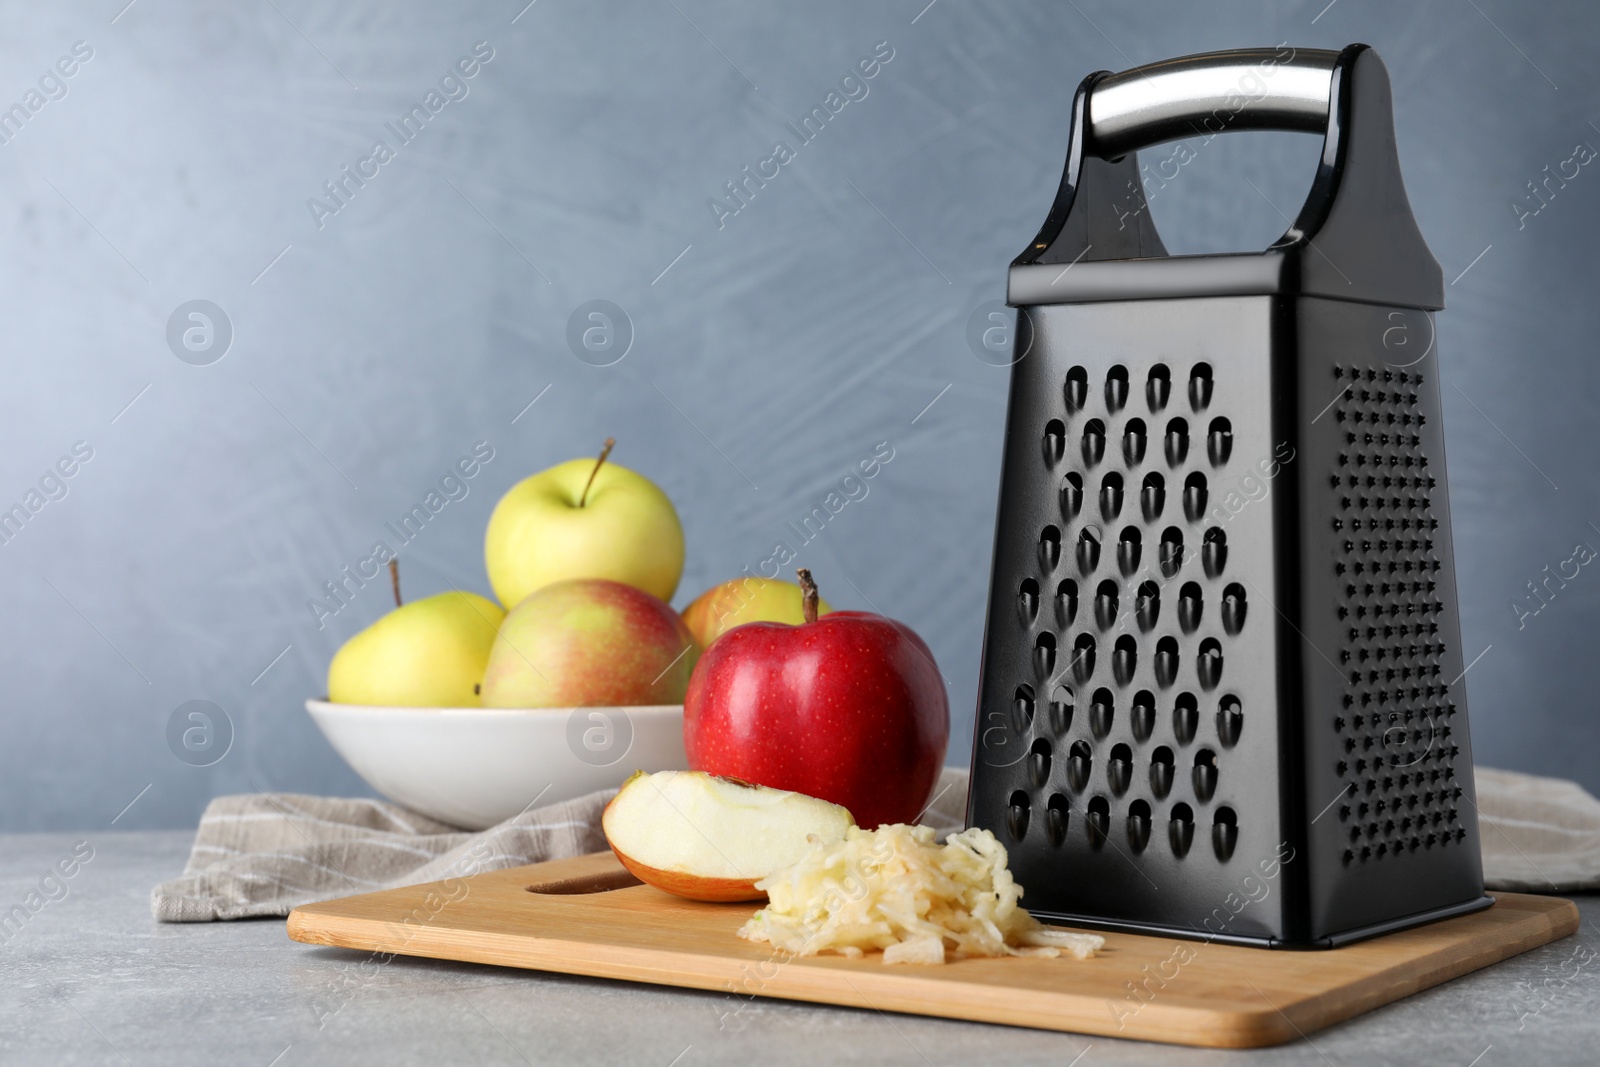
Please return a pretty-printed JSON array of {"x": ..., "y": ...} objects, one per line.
[{"x": 474, "y": 767}]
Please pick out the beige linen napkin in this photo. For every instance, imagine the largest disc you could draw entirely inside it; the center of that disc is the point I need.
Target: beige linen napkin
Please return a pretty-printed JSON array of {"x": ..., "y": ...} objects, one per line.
[
  {"x": 264, "y": 854},
  {"x": 1539, "y": 835},
  {"x": 260, "y": 854}
]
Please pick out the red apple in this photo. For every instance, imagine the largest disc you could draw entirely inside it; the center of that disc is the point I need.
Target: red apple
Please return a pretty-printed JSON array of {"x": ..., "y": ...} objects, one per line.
[{"x": 848, "y": 707}]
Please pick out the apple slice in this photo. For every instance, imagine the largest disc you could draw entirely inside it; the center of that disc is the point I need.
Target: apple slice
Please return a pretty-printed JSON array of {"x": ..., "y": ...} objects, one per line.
[{"x": 706, "y": 837}]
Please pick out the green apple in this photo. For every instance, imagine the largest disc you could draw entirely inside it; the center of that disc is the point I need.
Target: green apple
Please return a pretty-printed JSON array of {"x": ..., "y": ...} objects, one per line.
[
  {"x": 429, "y": 653},
  {"x": 741, "y": 600},
  {"x": 589, "y": 642},
  {"x": 581, "y": 519}
]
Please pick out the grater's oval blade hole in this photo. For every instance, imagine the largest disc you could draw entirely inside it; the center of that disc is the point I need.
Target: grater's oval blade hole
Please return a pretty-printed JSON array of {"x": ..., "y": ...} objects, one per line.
[
  {"x": 1139, "y": 824},
  {"x": 1166, "y": 661},
  {"x": 1180, "y": 829},
  {"x": 1161, "y": 771},
  {"x": 1185, "y": 716},
  {"x": 1119, "y": 771},
  {"x": 1017, "y": 815},
  {"x": 1233, "y": 608},
  {"x": 1129, "y": 548},
  {"x": 1177, "y": 441},
  {"x": 1134, "y": 439},
  {"x": 1057, "y": 814},
  {"x": 1049, "y": 547},
  {"x": 1142, "y": 716},
  {"x": 1055, "y": 441},
  {"x": 1224, "y": 833},
  {"x": 1190, "y": 607},
  {"x": 1111, "y": 495},
  {"x": 1116, "y": 388},
  {"x": 1071, "y": 495},
  {"x": 1219, "y": 441},
  {"x": 1083, "y": 657},
  {"x": 1230, "y": 720},
  {"x": 1076, "y": 390},
  {"x": 1094, "y": 442},
  {"x": 1044, "y": 655},
  {"x": 1102, "y": 712},
  {"x": 1099, "y": 820},
  {"x": 1039, "y": 763},
  {"x": 1066, "y": 601},
  {"x": 1028, "y": 601},
  {"x": 1158, "y": 387},
  {"x": 1171, "y": 551},
  {"x": 1105, "y": 604},
  {"x": 1022, "y": 708},
  {"x": 1205, "y": 774},
  {"x": 1088, "y": 551},
  {"x": 1153, "y": 496},
  {"x": 1194, "y": 496},
  {"x": 1062, "y": 704},
  {"x": 1124, "y": 659},
  {"x": 1080, "y": 762},
  {"x": 1209, "y": 663},
  {"x": 1214, "y": 551},
  {"x": 1200, "y": 386},
  {"x": 1147, "y": 606}
]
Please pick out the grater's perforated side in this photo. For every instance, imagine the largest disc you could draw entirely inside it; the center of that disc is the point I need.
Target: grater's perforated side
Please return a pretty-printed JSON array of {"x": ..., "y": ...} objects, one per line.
[
  {"x": 1388, "y": 764},
  {"x": 1398, "y": 759},
  {"x": 1128, "y": 707}
]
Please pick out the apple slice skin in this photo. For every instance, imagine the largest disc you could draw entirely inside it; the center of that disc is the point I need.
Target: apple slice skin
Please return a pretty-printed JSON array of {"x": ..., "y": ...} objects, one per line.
[
  {"x": 849, "y": 708},
  {"x": 827, "y": 822},
  {"x": 693, "y": 886}
]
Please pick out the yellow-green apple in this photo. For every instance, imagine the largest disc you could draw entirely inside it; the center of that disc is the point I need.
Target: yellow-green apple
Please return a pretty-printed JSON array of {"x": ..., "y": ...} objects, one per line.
[
  {"x": 589, "y": 642},
  {"x": 429, "y": 653},
  {"x": 741, "y": 600},
  {"x": 710, "y": 838},
  {"x": 848, "y": 707},
  {"x": 583, "y": 519}
]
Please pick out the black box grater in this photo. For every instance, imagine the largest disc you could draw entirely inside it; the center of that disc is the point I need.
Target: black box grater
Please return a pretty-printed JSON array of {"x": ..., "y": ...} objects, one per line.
[{"x": 1221, "y": 692}]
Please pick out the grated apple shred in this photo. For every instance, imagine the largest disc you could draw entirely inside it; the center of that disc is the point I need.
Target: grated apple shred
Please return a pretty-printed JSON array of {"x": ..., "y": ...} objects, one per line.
[{"x": 896, "y": 890}]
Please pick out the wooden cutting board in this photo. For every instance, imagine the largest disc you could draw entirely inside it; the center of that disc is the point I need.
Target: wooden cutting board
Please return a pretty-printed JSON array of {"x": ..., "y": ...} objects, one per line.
[{"x": 589, "y": 916}]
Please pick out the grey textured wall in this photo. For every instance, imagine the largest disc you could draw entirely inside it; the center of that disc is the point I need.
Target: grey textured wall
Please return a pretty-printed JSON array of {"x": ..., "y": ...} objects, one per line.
[{"x": 373, "y": 345}]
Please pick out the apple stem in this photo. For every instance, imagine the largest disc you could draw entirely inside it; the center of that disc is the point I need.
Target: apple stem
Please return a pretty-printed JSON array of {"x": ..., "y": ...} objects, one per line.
[
  {"x": 808, "y": 595},
  {"x": 394, "y": 580},
  {"x": 611, "y": 442}
]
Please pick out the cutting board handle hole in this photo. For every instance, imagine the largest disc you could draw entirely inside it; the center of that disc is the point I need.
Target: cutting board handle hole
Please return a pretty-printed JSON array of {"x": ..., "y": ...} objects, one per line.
[{"x": 589, "y": 883}]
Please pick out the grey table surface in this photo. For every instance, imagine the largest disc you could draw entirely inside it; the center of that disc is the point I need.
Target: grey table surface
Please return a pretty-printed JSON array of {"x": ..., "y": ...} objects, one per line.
[{"x": 91, "y": 978}]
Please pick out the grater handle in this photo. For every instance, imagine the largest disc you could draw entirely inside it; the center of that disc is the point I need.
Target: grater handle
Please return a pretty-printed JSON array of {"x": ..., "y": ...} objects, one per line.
[{"x": 1253, "y": 88}]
